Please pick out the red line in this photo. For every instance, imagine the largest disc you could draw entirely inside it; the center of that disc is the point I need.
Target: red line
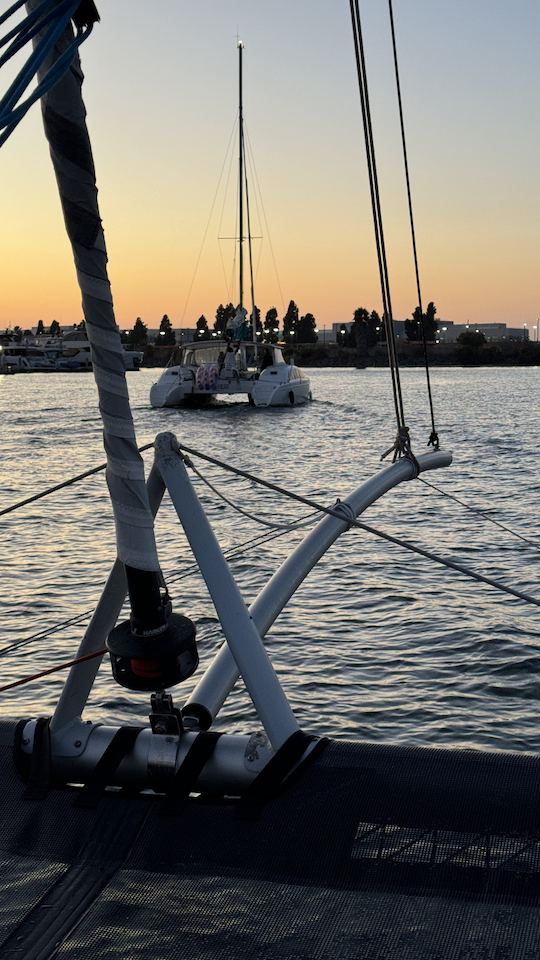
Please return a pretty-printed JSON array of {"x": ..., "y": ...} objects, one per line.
[{"x": 60, "y": 666}]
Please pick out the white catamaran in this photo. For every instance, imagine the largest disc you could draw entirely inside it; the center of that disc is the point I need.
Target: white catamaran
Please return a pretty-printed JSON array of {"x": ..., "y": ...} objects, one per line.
[{"x": 204, "y": 370}]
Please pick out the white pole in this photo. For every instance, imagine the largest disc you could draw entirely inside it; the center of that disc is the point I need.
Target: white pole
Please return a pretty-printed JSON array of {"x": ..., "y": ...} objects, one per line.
[
  {"x": 222, "y": 674},
  {"x": 242, "y": 636}
]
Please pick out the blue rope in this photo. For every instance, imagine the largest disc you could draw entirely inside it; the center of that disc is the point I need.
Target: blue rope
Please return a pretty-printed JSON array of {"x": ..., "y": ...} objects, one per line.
[
  {"x": 49, "y": 19},
  {"x": 9, "y": 13}
]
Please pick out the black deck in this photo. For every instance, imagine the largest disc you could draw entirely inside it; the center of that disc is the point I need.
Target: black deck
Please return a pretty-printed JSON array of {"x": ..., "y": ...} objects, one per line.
[{"x": 372, "y": 853}]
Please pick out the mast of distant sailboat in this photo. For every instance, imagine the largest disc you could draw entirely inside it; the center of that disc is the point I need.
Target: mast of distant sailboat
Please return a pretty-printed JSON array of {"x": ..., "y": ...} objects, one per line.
[{"x": 242, "y": 181}]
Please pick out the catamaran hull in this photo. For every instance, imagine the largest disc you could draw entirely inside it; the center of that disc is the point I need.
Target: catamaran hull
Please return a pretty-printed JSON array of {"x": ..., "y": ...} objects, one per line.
[
  {"x": 260, "y": 395},
  {"x": 282, "y": 394},
  {"x": 206, "y": 376},
  {"x": 162, "y": 395}
]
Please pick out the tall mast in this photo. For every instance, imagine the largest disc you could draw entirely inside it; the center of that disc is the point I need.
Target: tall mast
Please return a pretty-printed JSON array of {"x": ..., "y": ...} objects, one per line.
[{"x": 241, "y": 173}]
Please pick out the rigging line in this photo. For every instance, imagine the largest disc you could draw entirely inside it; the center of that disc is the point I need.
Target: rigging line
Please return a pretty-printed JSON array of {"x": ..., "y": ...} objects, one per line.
[
  {"x": 377, "y": 216},
  {"x": 43, "y": 634},
  {"x": 11, "y": 10},
  {"x": 26, "y": 29},
  {"x": 265, "y": 218},
  {"x": 446, "y": 562},
  {"x": 341, "y": 512},
  {"x": 227, "y": 182},
  {"x": 434, "y": 438},
  {"x": 231, "y": 282},
  {"x": 46, "y": 673},
  {"x": 228, "y": 280},
  {"x": 274, "y": 525},
  {"x": 64, "y": 483},
  {"x": 207, "y": 224},
  {"x": 253, "y": 272},
  {"x": 224, "y": 271},
  {"x": 371, "y": 175},
  {"x": 480, "y": 513},
  {"x": 56, "y": 21},
  {"x": 250, "y": 252},
  {"x": 232, "y": 554},
  {"x": 250, "y": 161}
]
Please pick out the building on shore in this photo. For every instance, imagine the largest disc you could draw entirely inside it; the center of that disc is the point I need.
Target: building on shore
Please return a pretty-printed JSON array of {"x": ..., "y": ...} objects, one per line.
[{"x": 447, "y": 331}]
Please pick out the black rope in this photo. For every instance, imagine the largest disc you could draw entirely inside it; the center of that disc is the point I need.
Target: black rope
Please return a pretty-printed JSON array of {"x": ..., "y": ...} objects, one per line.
[
  {"x": 434, "y": 437},
  {"x": 344, "y": 512},
  {"x": 481, "y": 513},
  {"x": 402, "y": 443},
  {"x": 233, "y": 554},
  {"x": 63, "y": 484}
]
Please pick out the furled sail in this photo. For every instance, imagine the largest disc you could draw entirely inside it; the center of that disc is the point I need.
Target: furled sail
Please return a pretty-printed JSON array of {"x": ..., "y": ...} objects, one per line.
[{"x": 64, "y": 118}]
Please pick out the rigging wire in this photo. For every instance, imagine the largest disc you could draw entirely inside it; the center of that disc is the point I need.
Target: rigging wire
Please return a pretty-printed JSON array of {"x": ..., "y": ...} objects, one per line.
[
  {"x": 265, "y": 218},
  {"x": 250, "y": 250},
  {"x": 273, "y": 524},
  {"x": 234, "y": 553},
  {"x": 208, "y": 223},
  {"x": 278, "y": 532},
  {"x": 434, "y": 437},
  {"x": 480, "y": 513},
  {"x": 248, "y": 163},
  {"x": 229, "y": 282},
  {"x": 277, "y": 489},
  {"x": 343, "y": 513},
  {"x": 59, "y": 666},
  {"x": 47, "y": 632},
  {"x": 62, "y": 485},
  {"x": 402, "y": 443},
  {"x": 340, "y": 512}
]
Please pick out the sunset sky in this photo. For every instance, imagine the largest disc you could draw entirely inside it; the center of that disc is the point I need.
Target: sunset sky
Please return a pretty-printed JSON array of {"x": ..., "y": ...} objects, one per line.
[{"x": 161, "y": 93}]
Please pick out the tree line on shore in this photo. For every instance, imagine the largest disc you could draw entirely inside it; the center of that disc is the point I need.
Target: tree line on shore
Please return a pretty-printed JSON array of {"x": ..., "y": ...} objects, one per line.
[
  {"x": 54, "y": 330},
  {"x": 365, "y": 330}
]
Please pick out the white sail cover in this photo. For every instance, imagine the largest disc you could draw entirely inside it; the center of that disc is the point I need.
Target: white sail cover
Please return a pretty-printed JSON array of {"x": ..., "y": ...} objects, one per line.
[{"x": 64, "y": 118}]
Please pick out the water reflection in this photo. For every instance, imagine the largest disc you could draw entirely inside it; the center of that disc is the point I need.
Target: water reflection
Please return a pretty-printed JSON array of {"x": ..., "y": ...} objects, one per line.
[{"x": 376, "y": 643}]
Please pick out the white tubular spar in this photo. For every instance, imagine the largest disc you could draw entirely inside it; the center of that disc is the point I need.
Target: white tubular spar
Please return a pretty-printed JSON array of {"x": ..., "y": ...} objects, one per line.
[
  {"x": 222, "y": 674},
  {"x": 243, "y": 637}
]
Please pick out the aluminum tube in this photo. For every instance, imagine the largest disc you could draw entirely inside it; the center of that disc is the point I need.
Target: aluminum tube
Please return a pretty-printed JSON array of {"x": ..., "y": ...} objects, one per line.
[
  {"x": 80, "y": 678},
  {"x": 222, "y": 674},
  {"x": 64, "y": 120},
  {"x": 242, "y": 635},
  {"x": 235, "y": 762}
]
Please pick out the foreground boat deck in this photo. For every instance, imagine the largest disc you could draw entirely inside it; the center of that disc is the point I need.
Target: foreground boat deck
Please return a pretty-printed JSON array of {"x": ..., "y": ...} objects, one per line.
[{"x": 371, "y": 852}]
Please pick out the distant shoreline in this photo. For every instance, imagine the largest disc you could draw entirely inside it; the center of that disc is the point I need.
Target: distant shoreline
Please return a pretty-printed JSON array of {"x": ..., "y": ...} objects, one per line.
[{"x": 493, "y": 354}]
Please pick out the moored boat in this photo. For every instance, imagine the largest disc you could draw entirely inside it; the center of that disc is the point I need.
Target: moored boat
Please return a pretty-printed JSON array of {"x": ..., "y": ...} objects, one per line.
[
  {"x": 201, "y": 373},
  {"x": 205, "y": 370}
]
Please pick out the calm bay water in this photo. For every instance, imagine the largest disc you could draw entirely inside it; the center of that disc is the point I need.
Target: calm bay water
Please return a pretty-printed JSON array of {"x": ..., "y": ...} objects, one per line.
[{"x": 377, "y": 643}]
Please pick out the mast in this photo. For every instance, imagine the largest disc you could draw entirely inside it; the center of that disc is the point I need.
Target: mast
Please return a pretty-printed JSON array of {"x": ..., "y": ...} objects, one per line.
[
  {"x": 241, "y": 173},
  {"x": 244, "y": 182}
]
